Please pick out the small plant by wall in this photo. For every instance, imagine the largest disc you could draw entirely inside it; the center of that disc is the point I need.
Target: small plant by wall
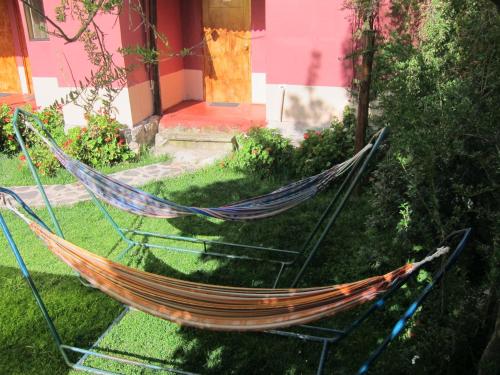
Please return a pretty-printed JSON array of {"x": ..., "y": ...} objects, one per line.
[
  {"x": 324, "y": 148},
  {"x": 262, "y": 151},
  {"x": 99, "y": 144}
]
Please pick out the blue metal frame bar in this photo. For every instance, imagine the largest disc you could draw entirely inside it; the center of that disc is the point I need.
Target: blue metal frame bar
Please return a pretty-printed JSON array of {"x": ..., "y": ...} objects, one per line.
[{"x": 401, "y": 323}]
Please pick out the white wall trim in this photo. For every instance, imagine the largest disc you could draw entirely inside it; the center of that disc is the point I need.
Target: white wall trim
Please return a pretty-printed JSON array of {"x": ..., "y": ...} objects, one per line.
[
  {"x": 193, "y": 83},
  {"x": 47, "y": 90},
  {"x": 22, "y": 78},
  {"x": 172, "y": 89},
  {"x": 141, "y": 101},
  {"x": 297, "y": 108},
  {"x": 259, "y": 88}
]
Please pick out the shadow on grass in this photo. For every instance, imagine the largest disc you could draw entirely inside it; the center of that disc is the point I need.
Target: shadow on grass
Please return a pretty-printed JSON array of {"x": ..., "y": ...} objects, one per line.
[
  {"x": 287, "y": 231},
  {"x": 80, "y": 314},
  {"x": 221, "y": 353}
]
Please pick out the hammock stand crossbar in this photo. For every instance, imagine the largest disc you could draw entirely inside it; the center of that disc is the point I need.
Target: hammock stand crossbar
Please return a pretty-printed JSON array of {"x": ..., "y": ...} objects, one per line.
[
  {"x": 325, "y": 336},
  {"x": 282, "y": 258}
]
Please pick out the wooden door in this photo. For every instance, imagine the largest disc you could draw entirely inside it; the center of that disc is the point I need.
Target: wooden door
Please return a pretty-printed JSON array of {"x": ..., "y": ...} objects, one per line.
[
  {"x": 9, "y": 75},
  {"x": 227, "y": 71}
]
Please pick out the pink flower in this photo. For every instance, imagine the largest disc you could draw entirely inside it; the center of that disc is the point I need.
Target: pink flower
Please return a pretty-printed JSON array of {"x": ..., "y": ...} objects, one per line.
[{"x": 306, "y": 135}]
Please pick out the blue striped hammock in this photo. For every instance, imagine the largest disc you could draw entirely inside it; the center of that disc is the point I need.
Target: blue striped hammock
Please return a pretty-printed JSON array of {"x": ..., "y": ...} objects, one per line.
[{"x": 136, "y": 201}]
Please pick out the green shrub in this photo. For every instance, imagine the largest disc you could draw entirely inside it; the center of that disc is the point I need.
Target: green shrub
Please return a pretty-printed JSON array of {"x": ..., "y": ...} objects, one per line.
[
  {"x": 321, "y": 149},
  {"x": 440, "y": 99},
  {"x": 8, "y": 144},
  {"x": 262, "y": 151},
  {"x": 100, "y": 144},
  {"x": 51, "y": 117}
]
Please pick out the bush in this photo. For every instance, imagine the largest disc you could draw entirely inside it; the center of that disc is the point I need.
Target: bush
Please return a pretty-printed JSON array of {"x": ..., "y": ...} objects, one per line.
[
  {"x": 51, "y": 117},
  {"x": 442, "y": 170},
  {"x": 262, "y": 151},
  {"x": 321, "y": 149},
  {"x": 8, "y": 144},
  {"x": 101, "y": 144}
]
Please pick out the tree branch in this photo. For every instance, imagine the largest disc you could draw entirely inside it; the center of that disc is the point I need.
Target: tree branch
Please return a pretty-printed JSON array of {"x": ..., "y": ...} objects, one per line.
[{"x": 61, "y": 33}]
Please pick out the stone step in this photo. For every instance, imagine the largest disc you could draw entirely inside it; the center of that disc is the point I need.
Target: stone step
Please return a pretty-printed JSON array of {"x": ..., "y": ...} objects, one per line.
[{"x": 179, "y": 138}]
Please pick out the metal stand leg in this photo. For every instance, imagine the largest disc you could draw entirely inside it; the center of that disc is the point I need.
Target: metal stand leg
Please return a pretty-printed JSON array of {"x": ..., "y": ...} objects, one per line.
[
  {"x": 322, "y": 359},
  {"x": 339, "y": 208}
]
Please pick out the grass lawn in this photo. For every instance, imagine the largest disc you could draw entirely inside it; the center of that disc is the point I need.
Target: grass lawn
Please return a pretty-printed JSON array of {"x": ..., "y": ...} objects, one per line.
[
  {"x": 82, "y": 313},
  {"x": 14, "y": 174}
]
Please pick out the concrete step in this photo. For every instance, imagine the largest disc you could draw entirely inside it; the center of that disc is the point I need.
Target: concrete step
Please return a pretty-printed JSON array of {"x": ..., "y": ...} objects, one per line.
[{"x": 177, "y": 139}]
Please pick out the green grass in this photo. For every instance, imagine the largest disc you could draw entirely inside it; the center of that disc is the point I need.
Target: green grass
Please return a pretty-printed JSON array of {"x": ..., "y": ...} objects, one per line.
[
  {"x": 82, "y": 313},
  {"x": 15, "y": 174}
]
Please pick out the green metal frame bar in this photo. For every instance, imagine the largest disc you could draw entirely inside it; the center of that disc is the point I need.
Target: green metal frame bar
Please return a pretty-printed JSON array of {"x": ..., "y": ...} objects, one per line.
[
  {"x": 325, "y": 336},
  {"x": 20, "y": 140},
  {"x": 353, "y": 177}
]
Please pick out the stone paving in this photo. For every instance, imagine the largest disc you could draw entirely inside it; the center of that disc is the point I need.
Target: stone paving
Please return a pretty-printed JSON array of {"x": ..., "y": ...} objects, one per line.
[{"x": 69, "y": 194}]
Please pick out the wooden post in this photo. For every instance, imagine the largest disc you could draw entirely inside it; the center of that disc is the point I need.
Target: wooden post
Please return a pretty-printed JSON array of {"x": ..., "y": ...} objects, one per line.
[{"x": 365, "y": 77}]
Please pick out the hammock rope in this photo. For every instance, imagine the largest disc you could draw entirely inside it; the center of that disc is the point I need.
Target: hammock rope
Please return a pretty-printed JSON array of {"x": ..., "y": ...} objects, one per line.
[
  {"x": 218, "y": 307},
  {"x": 136, "y": 201}
]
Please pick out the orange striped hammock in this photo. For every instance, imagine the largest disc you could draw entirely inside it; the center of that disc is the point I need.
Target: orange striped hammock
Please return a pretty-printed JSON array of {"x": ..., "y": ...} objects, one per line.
[{"x": 218, "y": 307}]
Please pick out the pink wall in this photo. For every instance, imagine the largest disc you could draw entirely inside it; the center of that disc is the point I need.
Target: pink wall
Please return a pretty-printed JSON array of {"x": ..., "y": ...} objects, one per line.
[
  {"x": 68, "y": 62},
  {"x": 192, "y": 33},
  {"x": 169, "y": 23},
  {"x": 258, "y": 35},
  {"x": 306, "y": 42},
  {"x": 132, "y": 35}
]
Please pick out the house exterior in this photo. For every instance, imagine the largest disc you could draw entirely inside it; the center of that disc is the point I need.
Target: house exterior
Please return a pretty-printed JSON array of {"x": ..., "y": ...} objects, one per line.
[{"x": 286, "y": 55}]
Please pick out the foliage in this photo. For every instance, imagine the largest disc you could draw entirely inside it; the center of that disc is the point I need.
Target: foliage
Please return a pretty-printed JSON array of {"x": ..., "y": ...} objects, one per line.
[
  {"x": 51, "y": 117},
  {"x": 100, "y": 144},
  {"x": 8, "y": 144},
  {"x": 439, "y": 94},
  {"x": 262, "y": 151},
  {"x": 321, "y": 149}
]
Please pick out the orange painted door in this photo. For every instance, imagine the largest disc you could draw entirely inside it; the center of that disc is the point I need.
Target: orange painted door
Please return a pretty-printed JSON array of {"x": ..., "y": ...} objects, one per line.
[
  {"x": 227, "y": 71},
  {"x": 9, "y": 75}
]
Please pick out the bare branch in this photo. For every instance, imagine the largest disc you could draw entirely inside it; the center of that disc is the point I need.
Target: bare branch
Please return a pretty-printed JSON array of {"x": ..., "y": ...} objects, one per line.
[{"x": 60, "y": 32}]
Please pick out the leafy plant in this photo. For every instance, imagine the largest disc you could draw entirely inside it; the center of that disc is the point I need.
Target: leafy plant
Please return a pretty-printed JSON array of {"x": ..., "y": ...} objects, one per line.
[
  {"x": 99, "y": 144},
  {"x": 439, "y": 94},
  {"x": 51, "y": 117},
  {"x": 321, "y": 149},
  {"x": 8, "y": 144},
  {"x": 262, "y": 151}
]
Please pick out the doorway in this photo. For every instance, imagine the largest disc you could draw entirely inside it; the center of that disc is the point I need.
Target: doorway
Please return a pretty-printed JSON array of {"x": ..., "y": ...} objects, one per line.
[{"x": 227, "y": 69}]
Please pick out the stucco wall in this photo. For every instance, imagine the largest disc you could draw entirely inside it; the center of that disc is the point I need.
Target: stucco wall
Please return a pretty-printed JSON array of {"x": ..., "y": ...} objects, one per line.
[
  {"x": 306, "y": 72},
  {"x": 189, "y": 83},
  {"x": 57, "y": 67},
  {"x": 171, "y": 65}
]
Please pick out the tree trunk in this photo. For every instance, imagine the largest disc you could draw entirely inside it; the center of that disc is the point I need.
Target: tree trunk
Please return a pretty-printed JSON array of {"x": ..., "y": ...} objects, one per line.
[
  {"x": 489, "y": 364},
  {"x": 365, "y": 78}
]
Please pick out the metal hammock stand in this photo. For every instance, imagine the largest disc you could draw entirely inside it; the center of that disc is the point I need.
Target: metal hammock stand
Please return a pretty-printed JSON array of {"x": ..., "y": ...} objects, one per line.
[
  {"x": 282, "y": 257},
  {"x": 315, "y": 334}
]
